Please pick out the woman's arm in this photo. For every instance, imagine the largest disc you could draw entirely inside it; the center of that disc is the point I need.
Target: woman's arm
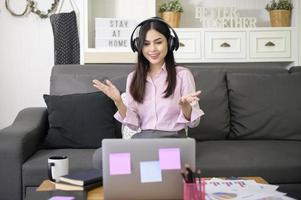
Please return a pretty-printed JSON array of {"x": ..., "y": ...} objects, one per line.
[
  {"x": 121, "y": 108},
  {"x": 189, "y": 102},
  {"x": 186, "y": 101}
]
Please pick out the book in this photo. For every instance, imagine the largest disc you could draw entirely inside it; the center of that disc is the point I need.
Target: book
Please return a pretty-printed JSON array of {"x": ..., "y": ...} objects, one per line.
[
  {"x": 70, "y": 187},
  {"x": 82, "y": 178}
]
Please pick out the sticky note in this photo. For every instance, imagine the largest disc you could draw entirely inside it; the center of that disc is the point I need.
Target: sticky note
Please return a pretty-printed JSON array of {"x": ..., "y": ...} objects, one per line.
[
  {"x": 120, "y": 163},
  {"x": 170, "y": 158},
  {"x": 150, "y": 171},
  {"x": 62, "y": 198}
]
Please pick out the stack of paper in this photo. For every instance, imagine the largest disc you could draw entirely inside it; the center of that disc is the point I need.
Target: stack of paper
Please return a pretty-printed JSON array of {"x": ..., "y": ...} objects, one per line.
[{"x": 219, "y": 189}]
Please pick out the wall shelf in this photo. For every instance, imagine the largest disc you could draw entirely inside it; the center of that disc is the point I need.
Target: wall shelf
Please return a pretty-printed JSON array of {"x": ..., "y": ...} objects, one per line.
[{"x": 200, "y": 44}]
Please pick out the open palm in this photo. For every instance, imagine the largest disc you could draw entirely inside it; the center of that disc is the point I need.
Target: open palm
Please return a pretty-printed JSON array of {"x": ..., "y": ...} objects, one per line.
[{"x": 108, "y": 88}]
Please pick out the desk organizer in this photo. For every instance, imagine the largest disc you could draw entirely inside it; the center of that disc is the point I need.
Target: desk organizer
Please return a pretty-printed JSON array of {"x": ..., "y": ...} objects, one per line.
[{"x": 194, "y": 191}]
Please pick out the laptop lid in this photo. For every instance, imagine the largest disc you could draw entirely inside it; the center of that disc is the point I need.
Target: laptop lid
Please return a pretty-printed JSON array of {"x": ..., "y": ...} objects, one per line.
[{"x": 145, "y": 168}]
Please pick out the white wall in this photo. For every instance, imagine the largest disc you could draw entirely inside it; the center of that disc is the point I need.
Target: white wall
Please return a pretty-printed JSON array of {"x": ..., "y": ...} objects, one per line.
[{"x": 26, "y": 58}]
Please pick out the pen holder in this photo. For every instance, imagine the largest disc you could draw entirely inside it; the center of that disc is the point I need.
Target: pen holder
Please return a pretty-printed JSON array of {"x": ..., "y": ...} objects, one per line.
[{"x": 194, "y": 191}]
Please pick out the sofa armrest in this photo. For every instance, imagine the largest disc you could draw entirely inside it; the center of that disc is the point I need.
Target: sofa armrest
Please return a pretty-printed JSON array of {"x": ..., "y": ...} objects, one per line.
[{"x": 17, "y": 143}]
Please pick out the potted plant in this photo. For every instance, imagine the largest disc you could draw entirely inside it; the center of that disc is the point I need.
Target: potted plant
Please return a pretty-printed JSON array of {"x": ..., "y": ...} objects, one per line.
[
  {"x": 171, "y": 12},
  {"x": 280, "y": 12}
]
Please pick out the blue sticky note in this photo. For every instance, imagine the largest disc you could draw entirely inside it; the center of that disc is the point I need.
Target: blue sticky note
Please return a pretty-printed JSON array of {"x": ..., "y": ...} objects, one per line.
[{"x": 150, "y": 171}]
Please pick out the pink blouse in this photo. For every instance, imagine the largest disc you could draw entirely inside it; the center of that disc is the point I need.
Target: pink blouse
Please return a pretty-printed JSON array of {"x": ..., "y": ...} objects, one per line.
[{"x": 157, "y": 112}]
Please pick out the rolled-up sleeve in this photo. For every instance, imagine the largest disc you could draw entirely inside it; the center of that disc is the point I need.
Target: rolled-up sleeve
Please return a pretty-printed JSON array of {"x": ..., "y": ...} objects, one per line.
[
  {"x": 188, "y": 86},
  {"x": 131, "y": 118}
]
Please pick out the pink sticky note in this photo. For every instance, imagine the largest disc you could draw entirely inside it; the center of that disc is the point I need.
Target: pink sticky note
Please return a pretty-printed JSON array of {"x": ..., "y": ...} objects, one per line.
[
  {"x": 62, "y": 198},
  {"x": 170, "y": 158},
  {"x": 120, "y": 163}
]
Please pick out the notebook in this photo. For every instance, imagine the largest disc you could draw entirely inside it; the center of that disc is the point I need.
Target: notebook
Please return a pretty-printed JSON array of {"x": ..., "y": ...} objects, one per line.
[{"x": 145, "y": 168}]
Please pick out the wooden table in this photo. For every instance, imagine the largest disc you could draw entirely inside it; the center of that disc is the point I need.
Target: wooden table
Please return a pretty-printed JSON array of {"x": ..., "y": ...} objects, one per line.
[
  {"x": 97, "y": 193},
  {"x": 94, "y": 194}
]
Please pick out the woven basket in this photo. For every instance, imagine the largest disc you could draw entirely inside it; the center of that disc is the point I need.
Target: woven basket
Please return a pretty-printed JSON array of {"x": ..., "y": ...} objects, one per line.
[
  {"x": 280, "y": 18},
  {"x": 172, "y": 18}
]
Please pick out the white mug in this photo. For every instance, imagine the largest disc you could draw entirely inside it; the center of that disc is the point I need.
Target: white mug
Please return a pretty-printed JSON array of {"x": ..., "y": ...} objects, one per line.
[{"x": 57, "y": 166}]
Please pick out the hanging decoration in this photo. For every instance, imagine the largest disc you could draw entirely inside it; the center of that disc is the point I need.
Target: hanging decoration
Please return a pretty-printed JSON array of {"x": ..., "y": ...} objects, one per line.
[{"x": 32, "y": 6}]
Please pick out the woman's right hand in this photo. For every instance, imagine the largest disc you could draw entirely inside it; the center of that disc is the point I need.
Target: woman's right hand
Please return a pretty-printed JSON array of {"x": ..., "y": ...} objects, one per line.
[{"x": 108, "y": 88}]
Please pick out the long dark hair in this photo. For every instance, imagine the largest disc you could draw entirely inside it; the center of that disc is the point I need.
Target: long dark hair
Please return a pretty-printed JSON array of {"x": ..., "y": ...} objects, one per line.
[{"x": 137, "y": 87}]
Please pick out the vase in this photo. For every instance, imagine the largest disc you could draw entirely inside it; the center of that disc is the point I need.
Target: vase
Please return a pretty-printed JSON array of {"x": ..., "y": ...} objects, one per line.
[
  {"x": 172, "y": 18},
  {"x": 280, "y": 18}
]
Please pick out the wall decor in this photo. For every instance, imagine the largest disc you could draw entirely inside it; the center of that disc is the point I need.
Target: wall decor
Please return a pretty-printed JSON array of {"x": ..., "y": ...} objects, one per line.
[
  {"x": 223, "y": 17},
  {"x": 113, "y": 32},
  {"x": 32, "y": 6}
]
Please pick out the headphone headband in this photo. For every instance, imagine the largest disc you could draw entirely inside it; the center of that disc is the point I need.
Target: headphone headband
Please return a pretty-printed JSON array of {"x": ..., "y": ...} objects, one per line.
[{"x": 173, "y": 41}]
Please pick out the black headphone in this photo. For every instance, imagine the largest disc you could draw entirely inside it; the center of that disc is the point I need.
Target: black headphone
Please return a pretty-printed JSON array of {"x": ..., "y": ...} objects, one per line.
[{"x": 173, "y": 41}]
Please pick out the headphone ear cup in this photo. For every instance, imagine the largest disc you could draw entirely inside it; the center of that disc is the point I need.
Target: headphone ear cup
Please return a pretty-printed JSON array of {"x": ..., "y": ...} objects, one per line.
[
  {"x": 172, "y": 44},
  {"x": 135, "y": 44}
]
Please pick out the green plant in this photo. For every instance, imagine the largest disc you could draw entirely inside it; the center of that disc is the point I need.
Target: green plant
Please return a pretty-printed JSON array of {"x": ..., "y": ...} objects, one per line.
[
  {"x": 279, "y": 5},
  {"x": 172, "y": 5}
]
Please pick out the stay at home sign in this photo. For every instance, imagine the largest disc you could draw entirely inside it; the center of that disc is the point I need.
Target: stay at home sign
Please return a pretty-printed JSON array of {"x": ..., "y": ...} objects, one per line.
[
  {"x": 113, "y": 32},
  {"x": 223, "y": 17}
]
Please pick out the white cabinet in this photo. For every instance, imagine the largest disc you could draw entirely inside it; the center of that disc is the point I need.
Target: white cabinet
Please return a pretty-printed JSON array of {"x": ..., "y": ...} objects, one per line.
[
  {"x": 224, "y": 44},
  {"x": 190, "y": 48},
  {"x": 270, "y": 44},
  {"x": 236, "y": 45}
]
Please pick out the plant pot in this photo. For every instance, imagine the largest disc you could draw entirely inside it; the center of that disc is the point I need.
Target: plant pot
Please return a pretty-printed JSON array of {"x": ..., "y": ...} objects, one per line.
[
  {"x": 280, "y": 18},
  {"x": 172, "y": 18}
]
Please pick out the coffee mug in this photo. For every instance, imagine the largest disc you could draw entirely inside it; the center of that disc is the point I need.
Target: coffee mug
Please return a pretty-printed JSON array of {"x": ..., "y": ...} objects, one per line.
[{"x": 57, "y": 166}]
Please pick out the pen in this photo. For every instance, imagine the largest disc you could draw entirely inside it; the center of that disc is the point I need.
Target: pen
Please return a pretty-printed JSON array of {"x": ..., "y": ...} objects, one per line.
[
  {"x": 184, "y": 176},
  {"x": 190, "y": 174},
  {"x": 198, "y": 179}
]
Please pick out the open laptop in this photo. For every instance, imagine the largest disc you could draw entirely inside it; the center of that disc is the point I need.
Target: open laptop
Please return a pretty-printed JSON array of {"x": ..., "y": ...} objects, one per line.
[{"x": 145, "y": 168}]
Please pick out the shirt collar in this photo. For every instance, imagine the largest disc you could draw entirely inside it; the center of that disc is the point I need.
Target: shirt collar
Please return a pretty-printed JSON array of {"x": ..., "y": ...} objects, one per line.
[{"x": 163, "y": 70}]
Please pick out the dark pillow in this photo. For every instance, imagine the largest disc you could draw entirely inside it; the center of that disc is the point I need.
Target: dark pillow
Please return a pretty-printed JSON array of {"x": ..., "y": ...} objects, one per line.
[
  {"x": 265, "y": 106},
  {"x": 79, "y": 120},
  {"x": 214, "y": 125}
]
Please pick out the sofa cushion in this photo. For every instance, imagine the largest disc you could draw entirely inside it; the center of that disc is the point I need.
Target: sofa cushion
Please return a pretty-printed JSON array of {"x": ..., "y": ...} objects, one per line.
[
  {"x": 71, "y": 79},
  {"x": 214, "y": 102},
  {"x": 265, "y": 105},
  {"x": 277, "y": 161},
  {"x": 79, "y": 120}
]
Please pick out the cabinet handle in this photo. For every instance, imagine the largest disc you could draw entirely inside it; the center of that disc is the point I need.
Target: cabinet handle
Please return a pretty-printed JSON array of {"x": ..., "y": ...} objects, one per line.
[
  {"x": 225, "y": 45},
  {"x": 182, "y": 44},
  {"x": 269, "y": 44}
]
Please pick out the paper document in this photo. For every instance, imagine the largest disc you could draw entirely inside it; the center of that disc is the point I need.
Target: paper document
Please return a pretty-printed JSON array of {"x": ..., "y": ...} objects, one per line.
[{"x": 220, "y": 189}]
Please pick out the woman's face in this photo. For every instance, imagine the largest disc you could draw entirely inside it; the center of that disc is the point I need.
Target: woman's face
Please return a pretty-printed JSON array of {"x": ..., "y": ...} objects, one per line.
[{"x": 155, "y": 48}]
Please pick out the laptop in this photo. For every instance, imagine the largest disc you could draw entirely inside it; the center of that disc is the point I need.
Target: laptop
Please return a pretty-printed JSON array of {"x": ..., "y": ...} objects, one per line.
[{"x": 145, "y": 168}]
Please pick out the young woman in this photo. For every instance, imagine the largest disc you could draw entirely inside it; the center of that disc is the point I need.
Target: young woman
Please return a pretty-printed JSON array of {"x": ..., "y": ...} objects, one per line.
[{"x": 160, "y": 96}]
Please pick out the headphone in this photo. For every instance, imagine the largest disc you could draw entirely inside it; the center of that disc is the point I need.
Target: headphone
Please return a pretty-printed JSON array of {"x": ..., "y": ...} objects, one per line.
[{"x": 173, "y": 41}]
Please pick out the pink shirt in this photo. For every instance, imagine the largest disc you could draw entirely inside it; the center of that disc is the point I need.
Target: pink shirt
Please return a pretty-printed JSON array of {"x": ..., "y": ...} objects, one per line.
[{"x": 157, "y": 112}]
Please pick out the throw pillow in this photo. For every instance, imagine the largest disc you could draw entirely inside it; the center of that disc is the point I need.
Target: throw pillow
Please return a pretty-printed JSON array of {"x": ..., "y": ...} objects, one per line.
[
  {"x": 214, "y": 125},
  {"x": 265, "y": 105},
  {"x": 79, "y": 120}
]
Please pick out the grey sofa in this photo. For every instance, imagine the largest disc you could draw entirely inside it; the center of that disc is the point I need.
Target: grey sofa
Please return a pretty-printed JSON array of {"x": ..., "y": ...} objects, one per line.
[{"x": 251, "y": 125}]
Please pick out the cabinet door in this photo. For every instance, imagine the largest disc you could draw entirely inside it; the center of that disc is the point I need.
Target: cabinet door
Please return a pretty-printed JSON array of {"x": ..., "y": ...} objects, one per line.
[
  {"x": 190, "y": 45},
  {"x": 225, "y": 44},
  {"x": 270, "y": 44}
]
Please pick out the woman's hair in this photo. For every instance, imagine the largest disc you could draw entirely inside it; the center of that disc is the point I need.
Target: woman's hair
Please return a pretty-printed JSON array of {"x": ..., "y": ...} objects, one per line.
[{"x": 137, "y": 86}]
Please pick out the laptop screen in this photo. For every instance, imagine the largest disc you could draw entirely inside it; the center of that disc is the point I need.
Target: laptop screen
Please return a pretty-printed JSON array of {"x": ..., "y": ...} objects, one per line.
[{"x": 145, "y": 168}]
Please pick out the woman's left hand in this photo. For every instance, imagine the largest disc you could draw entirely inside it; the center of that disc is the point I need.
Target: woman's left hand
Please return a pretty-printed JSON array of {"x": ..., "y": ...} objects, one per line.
[
  {"x": 186, "y": 101},
  {"x": 189, "y": 99}
]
